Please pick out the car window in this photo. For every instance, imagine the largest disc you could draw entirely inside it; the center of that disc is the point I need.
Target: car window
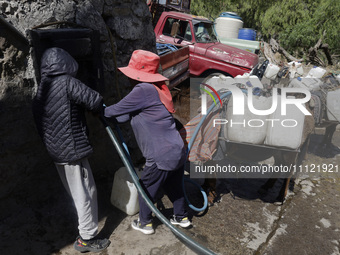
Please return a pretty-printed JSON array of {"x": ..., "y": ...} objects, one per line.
[{"x": 183, "y": 32}]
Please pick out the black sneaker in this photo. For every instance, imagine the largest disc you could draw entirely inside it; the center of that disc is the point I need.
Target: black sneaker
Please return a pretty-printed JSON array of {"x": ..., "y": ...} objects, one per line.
[{"x": 93, "y": 245}]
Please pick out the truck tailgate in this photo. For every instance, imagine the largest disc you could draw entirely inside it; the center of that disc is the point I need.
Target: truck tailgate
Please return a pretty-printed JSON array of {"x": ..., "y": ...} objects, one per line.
[{"x": 175, "y": 65}]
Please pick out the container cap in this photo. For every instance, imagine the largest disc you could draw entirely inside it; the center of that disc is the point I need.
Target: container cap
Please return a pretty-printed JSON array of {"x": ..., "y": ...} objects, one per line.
[{"x": 230, "y": 15}]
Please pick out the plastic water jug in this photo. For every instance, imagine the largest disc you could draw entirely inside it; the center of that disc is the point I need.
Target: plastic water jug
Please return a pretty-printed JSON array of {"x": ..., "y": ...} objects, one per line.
[
  {"x": 287, "y": 130},
  {"x": 124, "y": 194},
  {"x": 312, "y": 83},
  {"x": 316, "y": 72},
  {"x": 271, "y": 71},
  {"x": 247, "y": 128},
  {"x": 333, "y": 105},
  {"x": 306, "y": 83}
]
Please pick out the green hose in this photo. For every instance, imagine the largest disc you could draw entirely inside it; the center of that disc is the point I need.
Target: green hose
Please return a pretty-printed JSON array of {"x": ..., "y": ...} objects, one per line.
[{"x": 159, "y": 215}]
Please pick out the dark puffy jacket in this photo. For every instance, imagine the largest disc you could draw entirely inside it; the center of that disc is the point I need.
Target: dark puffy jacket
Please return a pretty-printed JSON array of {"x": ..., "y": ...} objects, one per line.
[{"x": 59, "y": 107}]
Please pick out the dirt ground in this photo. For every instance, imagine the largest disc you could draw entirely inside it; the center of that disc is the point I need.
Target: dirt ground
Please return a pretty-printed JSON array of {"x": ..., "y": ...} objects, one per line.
[{"x": 242, "y": 222}]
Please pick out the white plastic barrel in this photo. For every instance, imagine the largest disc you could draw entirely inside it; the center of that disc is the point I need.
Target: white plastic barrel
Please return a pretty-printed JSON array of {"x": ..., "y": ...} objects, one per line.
[
  {"x": 124, "y": 194},
  {"x": 228, "y": 25},
  {"x": 333, "y": 105}
]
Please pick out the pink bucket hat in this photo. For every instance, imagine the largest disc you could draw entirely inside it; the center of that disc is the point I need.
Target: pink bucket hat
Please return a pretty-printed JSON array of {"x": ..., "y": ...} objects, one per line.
[{"x": 143, "y": 66}]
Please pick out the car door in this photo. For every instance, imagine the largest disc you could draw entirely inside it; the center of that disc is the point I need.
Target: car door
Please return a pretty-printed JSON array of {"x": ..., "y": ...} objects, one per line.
[{"x": 183, "y": 36}]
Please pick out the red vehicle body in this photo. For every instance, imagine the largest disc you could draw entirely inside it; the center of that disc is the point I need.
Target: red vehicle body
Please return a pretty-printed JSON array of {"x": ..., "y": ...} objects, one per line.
[{"x": 207, "y": 54}]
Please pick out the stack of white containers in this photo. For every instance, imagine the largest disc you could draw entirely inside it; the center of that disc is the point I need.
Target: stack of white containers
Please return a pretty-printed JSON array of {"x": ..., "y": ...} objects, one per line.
[
  {"x": 275, "y": 130},
  {"x": 256, "y": 129},
  {"x": 312, "y": 82}
]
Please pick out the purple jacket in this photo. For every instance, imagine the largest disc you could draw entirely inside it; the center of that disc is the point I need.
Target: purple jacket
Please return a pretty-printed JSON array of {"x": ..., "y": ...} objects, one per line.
[{"x": 153, "y": 126}]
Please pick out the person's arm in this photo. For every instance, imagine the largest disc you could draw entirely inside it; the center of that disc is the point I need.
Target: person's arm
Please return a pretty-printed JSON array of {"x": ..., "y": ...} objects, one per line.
[
  {"x": 134, "y": 101},
  {"x": 85, "y": 96}
]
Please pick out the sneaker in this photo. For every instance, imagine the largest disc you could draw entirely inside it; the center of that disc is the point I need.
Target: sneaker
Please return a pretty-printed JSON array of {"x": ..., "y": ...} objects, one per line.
[
  {"x": 93, "y": 245},
  {"x": 184, "y": 222},
  {"x": 146, "y": 229}
]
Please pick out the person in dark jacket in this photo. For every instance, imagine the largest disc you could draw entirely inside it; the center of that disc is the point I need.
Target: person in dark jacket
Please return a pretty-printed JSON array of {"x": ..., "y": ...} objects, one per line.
[
  {"x": 150, "y": 106},
  {"x": 59, "y": 112}
]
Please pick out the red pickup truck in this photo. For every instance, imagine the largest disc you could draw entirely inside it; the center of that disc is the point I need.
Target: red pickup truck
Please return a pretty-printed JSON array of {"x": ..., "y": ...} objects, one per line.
[{"x": 207, "y": 54}]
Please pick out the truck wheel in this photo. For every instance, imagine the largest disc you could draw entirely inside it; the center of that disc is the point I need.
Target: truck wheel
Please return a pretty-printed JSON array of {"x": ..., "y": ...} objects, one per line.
[{"x": 209, "y": 74}]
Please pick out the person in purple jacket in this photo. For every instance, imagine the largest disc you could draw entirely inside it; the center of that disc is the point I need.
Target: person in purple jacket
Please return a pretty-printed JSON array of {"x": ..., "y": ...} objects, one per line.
[{"x": 150, "y": 107}]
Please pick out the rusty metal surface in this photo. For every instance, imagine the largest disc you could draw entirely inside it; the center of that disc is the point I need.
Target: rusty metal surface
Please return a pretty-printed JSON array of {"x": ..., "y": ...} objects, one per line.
[{"x": 174, "y": 58}]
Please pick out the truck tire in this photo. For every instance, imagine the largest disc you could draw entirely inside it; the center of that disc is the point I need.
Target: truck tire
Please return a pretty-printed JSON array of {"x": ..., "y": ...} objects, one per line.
[{"x": 213, "y": 73}]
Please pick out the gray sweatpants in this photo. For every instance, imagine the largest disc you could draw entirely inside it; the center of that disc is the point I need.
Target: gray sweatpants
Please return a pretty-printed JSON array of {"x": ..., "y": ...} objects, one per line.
[{"x": 78, "y": 180}]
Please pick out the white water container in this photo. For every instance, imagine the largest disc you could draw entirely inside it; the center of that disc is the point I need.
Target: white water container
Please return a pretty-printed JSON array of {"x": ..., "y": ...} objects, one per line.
[
  {"x": 316, "y": 72},
  {"x": 285, "y": 130},
  {"x": 333, "y": 105},
  {"x": 247, "y": 128},
  {"x": 311, "y": 84},
  {"x": 297, "y": 83},
  {"x": 271, "y": 71},
  {"x": 228, "y": 25},
  {"x": 219, "y": 82},
  {"x": 124, "y": 193}
]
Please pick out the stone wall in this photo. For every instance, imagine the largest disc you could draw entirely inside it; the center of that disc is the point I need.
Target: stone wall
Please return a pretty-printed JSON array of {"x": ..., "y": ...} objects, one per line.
[{"x": 27, "y": 173}]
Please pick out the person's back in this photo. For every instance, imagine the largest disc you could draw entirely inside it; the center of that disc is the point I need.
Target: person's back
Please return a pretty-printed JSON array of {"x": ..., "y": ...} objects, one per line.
[
  {"x": 59, "y": 112},
  {"x": 58, "y": 107},
  {"x": 154, "y": 127}
]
